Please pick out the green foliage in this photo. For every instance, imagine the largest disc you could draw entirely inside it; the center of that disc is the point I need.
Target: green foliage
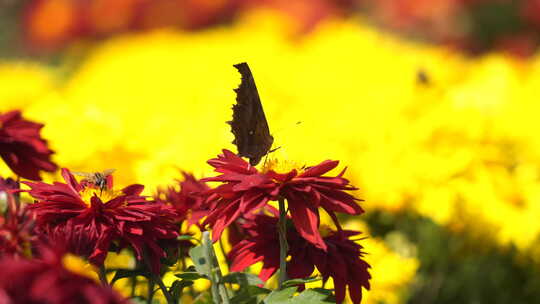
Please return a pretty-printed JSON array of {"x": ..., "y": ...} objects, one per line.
[
  {"x": 249, "y": 291},
  {"x": 178, "y": 286},
  {"x": 203, "y": 298},
  {"x": 317, "y": 295},
  {"x": 187, "y": 237},
  {"x": 280, "y": 296},
  {"x": 308, "y": 296},
  {"x": 190, "y": 275},
  {"x": 243, "y": 279},
  {"x": 460, "y": 267},
  {"x": 495, "y": 19},
  {"x": 140, "y": 300},
  {"x": 128, "y": 273},
  {"x": 294, "y": 282},
  {"x": 250, "y": 295},
  {"x": 202, "y": 265}
]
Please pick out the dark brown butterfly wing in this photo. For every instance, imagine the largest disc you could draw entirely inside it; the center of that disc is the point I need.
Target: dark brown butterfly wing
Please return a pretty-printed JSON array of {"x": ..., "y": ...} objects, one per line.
[{"x": 251, "y": 134}]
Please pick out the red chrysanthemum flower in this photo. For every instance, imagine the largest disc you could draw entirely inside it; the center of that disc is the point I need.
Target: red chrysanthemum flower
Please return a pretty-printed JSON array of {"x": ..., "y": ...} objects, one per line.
[
  {"x": 48, "y": 280},
  {"x": 94, "y": 218},
  {"x": 16, "y": 223},
  {"x": 187, "y": 198},
  {"x": 22, "y": 147},
  {"x": 342, "y": 261},
  {"x": 260, "y": 243},
  {"x": 244, "y": 189}
]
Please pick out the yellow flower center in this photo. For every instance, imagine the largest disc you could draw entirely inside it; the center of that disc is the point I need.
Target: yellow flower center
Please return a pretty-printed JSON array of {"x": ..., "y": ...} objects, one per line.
[
  {"x": 79, "y": 266},
  {"x": 104, "y": 195},
  {"x": 281, "y": 166}
]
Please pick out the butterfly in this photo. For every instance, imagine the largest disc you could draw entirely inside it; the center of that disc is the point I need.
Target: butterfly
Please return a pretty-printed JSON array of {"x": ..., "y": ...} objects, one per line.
[{"x": 249, "y": 126}]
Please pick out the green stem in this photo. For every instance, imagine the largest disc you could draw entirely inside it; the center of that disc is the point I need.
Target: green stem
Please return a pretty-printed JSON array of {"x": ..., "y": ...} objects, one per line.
[
  {"x": 150, "y": 291},
  {"x": 157, "y": 279},
  {"x": 133, "y": 285},
  {"x": 163, "y": 288},
  {"x": 219, "y": 291},
  {"x": 102, "y": 273},
  {"x": 283, "y": 246}
]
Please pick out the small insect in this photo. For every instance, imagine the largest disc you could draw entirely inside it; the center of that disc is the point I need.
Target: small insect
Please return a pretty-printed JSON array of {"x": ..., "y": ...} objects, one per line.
[
  {"x": 422, "y": 77},
  {"x": 96, "y": 179}
]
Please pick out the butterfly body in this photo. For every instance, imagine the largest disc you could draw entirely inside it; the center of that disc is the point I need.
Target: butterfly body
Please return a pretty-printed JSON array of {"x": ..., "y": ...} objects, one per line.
[{"x": 249, "y": 125}]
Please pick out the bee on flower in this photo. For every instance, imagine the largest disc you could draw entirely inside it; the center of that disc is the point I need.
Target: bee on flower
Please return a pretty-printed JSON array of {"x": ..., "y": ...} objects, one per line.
[
  {"x": 101, "y": 180},
  {"x": 93, "y": 219}
]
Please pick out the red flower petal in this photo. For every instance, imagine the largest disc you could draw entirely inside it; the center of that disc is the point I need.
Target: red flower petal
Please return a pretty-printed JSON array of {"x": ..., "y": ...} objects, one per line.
[
  {"x": 243, "y": 256},
  {"x": 134, "y": 189},
  {"x": 71, "y": 181},
  {"x": 320, "y": 169},
  {"x": 340, "y": 202},
  {"x": 306, "y": 221},
  {"x": 230, "y": 162},
  {"x": 226, "y": 217},
  {"x": 22, "y": 147},
  {"x": 129, "y": 219},
  {"x": 339, "y": 289}
]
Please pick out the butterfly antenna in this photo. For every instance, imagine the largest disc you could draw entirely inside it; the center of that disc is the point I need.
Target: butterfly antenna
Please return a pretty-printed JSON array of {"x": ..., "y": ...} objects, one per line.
[
  {"x": 281, "y": 129},
  {"x": 273, "y": 150},
  {"x": 287, "y": 127}
]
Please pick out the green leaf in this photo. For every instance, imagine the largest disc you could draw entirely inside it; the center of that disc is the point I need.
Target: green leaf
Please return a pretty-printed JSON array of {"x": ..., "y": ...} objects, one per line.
[
  {"x": 249, "y": 294},
  {"x": 138, "y": 300},
  {"x": 171, "y": 257},
  {"x": 187, "y": 238},
  {"x": 308, "y": 296},
  {"x": 190, "y": 275},
  {"x": 314, "y": 296},
  {"x": 243, "y": 279},
  {"x": 199, "y": 260},
  {"x": 128, "y": 273},
  {"x": 280, "y": 296},
  {"x": 177, "y": 287},
  {"x": 203, "y": 298},
  {"x": 295, "y": 282}
]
